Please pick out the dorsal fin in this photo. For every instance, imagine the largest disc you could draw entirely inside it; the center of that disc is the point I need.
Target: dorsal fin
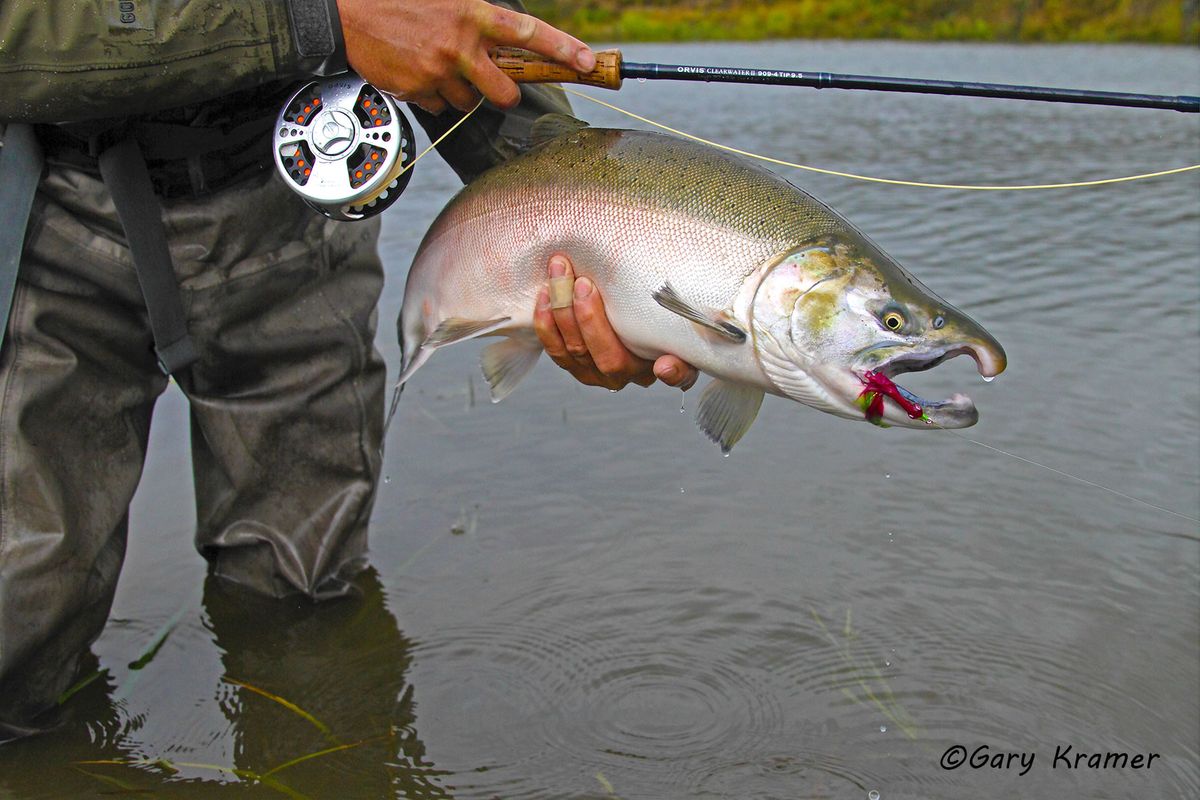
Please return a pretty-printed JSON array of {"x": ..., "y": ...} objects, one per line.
[{"x": 551, "y": 126}]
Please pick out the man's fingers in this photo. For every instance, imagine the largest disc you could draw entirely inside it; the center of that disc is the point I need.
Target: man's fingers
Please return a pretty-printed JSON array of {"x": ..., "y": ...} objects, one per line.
[
  {"x": 547, "y": 332},
  {"x": 492, "y": 82},
  {"x": 506, "y": 27},
  {"x": 546, "y": 329},
  {"x": 433, "y": 103},
  {"x": 561, "y": 277},
  {"x": 608, "y": 353},
  {"x": 676, "y": 372},
  {"x": 571, "y": 323},
  {"x": 459, "y": 93}
]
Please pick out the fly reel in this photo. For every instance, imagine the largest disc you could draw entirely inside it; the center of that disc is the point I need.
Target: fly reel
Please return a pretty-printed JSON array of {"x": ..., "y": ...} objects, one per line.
[{"x": 342, "y": 145}]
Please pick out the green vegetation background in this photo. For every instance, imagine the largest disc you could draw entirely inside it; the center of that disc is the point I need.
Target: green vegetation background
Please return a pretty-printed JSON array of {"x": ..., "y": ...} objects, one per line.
[{"x": 1165, "y": 21}]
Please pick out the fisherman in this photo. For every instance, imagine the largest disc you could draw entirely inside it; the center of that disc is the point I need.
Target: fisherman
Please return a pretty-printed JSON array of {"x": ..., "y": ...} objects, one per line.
[{"x": 263, "y": 311}]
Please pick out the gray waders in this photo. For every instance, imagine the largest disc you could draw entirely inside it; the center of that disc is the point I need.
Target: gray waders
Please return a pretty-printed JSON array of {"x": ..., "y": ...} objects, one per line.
[
  {"x": 286, "y": 394},
  {"x": 262, "y": 311}
]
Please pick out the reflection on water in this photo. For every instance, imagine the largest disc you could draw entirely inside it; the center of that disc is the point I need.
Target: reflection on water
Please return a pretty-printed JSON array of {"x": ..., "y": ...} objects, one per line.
[
  {"x": 276, "y": 717},
  {"x": 578, "y": 597}
]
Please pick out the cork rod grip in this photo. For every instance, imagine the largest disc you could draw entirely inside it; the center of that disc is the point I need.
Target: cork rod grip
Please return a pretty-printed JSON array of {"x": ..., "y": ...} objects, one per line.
[{"x": 526, "y": 67}]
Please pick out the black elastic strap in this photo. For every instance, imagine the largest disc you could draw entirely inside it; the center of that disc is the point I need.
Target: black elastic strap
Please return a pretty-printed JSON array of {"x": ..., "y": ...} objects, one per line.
[
  {"x": 20, "y": 169},
  {"x": 124, "y": 172},
  {"x": 167, "y": 142},
  {"x": 317, "y": 35}
]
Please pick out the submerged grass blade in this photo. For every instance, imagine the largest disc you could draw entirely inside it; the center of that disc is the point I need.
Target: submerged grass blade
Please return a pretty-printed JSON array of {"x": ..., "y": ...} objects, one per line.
[
  {"x": 863, "y": 675},
  {"x": 608, "y": 787},
  {"x": 282, "y": 788},
  {"x": 122, "y": 787},
  {"x": 159, "y": 639},
  {"x": 148, "y": 656},
  {"x": 318, "y": 754},
  {"x": 82, "y": 684},
  {"x": 170, "y": 766},
  {"x": 289, "y": 705}
]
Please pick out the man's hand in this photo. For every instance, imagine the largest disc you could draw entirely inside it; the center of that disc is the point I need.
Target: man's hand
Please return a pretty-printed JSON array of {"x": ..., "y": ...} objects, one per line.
[
  {"x": 434, "y": 52},
  {"x": 579, "y": 339}
]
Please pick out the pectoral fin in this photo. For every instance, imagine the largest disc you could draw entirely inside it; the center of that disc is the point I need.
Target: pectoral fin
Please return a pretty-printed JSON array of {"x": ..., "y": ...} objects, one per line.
[
  {"x": 457, "y": 329},
  {"x": 717, "y": 321},
  {"x": 507, "y": 362},
  {"x": 727, "y": 410}
]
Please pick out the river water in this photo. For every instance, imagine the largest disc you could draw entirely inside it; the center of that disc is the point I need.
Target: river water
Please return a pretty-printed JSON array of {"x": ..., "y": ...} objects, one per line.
[{"x": 576, "y": 596}]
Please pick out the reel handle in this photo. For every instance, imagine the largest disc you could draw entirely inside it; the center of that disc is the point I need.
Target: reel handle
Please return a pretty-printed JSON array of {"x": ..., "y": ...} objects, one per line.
[{"x": 526, "y": 67}]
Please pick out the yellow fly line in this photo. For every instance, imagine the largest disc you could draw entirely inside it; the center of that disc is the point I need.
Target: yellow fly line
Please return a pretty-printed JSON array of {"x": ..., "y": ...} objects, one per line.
[
  {"x": 434, "y": 144},
  {"x": 893, "y": 182}
]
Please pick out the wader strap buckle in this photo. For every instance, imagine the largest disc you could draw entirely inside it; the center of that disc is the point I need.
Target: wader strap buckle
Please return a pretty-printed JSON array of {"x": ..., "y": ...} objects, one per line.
[
  {"x": 20, "y": 170},
  {"x": 128, "y": 180}
]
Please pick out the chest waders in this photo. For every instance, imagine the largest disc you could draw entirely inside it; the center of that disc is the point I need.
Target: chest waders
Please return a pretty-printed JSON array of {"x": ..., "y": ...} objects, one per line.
[
  {"x": 20, "y": 169},
  {"x": 124, "y": 172}
]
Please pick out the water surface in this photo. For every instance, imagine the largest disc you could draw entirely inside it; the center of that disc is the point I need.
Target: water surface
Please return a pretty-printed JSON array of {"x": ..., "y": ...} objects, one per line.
[{"x": 575, "y": 596}]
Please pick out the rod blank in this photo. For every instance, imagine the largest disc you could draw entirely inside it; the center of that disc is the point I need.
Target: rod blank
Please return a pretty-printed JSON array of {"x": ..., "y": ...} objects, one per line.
[{"x": 831, "y": 80}]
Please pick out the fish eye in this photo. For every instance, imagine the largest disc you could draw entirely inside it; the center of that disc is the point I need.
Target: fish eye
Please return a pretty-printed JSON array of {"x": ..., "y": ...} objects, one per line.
[
  {"x": 939, "y": 321},
  {"x": 893, "y": 320}
]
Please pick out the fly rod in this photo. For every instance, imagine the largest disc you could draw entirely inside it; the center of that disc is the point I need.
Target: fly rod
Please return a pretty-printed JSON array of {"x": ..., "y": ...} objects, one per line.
[
  {"x": 525, "y": 67},
  {"x": 347, "y": 148}
]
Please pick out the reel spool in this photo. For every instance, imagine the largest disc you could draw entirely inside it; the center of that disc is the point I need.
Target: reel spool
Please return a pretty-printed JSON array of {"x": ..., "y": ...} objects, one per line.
[{"x": 341, "y": 144}]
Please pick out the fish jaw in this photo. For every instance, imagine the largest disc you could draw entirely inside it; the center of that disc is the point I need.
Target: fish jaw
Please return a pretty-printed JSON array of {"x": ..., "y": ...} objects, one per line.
[
  {"x": 885, "y": 402},
  {"x": 821, "y": 320}
]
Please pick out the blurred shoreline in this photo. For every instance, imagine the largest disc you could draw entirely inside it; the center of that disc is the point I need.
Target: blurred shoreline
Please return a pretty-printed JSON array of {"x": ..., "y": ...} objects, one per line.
[{"x": 1142, "y": 21}]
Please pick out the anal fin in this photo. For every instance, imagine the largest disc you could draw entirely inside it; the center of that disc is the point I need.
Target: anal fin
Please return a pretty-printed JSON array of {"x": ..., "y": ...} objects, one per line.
[
  {"x": 717, "y": 321},
  {"x": 507, "y": 362},
  {"x": 727, "y": 410}
]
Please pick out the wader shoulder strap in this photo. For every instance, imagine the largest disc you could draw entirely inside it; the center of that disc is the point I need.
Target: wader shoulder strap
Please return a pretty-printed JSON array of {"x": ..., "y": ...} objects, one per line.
[
  {"x": 124, "y": 172},
  {"x": 20, "y": 170}
]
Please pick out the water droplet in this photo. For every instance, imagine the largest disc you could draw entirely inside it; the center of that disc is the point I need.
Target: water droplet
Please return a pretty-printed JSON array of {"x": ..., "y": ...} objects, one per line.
[
  {"x": 681, "y": 490},
  {"x": 887, "y": 663},
  {"x": 387, "y": 478},
  {"x": 725, "y": 455},
  {"x": 682, "y": 399},
  {"x": 641, "y": 80},
  {"x": 883, "y": 728},
  {"x": 612, "y": 391},
  {"x": 872, "y": 795},
  {"x": 887, "y": 474},
  {"x": 989, "y": 378}
]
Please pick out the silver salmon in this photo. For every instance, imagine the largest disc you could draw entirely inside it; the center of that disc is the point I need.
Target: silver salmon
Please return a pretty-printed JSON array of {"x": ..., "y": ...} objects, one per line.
[{"x": 696, "y": 253}]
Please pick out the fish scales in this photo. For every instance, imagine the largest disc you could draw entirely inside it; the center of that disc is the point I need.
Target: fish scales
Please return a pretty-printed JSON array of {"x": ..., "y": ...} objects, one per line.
[
  {"x": 696, "y": 253},
  {"x": 689, "y": 190}
]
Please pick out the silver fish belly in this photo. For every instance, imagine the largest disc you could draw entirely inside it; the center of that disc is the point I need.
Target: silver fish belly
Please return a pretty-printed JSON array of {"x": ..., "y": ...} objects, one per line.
[{"x": 698, "y": 254}]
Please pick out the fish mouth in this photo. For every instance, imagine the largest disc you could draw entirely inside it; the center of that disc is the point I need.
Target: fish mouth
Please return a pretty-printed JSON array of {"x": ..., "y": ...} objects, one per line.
[{"x": 908, "y": 409}]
